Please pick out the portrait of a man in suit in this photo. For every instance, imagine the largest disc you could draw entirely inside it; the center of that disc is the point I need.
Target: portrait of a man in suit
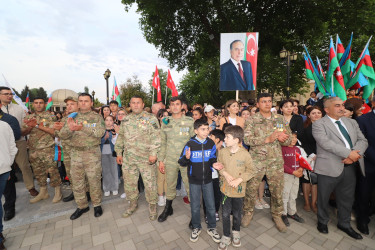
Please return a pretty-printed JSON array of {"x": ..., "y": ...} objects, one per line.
[{"x": 236, "y": 73}]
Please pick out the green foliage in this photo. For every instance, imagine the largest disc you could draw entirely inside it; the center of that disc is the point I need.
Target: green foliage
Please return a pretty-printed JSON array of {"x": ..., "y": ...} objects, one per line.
[
  {"x": 133, "y": 86},
  {"x": 86, "y": 90},
  {"x": 163, "y": 75},
  {"x": 97, "y": 103},
  {"x": 34, "y": 92},
  {"x": 187, "y": 34}
]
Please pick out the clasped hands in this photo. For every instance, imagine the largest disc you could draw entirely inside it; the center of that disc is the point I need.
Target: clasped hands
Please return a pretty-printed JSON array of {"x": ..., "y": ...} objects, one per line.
[
  {"x": 281, "y": 136},
  {"x": 31, "y": 123},
  {"x": 354, "y": 156},
  {"x": 74, "y": 125},
  {"x": 230, "y": 179}
]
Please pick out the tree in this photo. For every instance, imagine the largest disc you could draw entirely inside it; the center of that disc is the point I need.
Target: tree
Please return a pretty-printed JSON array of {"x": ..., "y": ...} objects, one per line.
[
  {"x": 187, "y": 34},
  {"x": 133, "y": 86},
  {"x": 86, "y": 90}
]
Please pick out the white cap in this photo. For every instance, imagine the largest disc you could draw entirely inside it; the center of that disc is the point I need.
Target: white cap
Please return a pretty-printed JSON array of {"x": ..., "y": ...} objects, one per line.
[{"x": 208, "y": 108}]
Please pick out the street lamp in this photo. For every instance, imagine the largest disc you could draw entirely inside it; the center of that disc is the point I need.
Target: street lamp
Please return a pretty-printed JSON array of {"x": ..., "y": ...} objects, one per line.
[
  {"x": 289, "y": 57},
  {"x": 93, "y": 95},
  {"x": 107, "y": 74}
]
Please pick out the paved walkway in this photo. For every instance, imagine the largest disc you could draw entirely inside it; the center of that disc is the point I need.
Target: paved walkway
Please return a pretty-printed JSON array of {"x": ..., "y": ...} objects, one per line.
[{"x": 47, "y": 226}]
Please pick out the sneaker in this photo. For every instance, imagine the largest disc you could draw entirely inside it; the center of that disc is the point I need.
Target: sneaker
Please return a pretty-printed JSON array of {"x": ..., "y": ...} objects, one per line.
[
  {"x": 195, "y": 234},
  {"x": 107, "y": 193},
  {"x": 264, "y": 203},
  {"x": 123, "y": 196},
  {"x": 296, "y": 217},
  {"x": 285, "y": 220},
  {"x": 217, "y": 216},
  {"x": 258, "y": 205},
  {"x": 186, "y": 200},
  {"x": 236, "y": 242},
  {"x": 115, "y": 192},
  {"x": 161, "y": 201},
  {"x": 224, "y": 243},
  {"x": 214, "y": 234}
]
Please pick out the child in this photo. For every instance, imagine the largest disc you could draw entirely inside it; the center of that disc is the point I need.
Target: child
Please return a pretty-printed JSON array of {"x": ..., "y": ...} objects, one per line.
[
  {"x": 199, "y": 155},
  {"x": 236, "y": 168},
  {"x": 292, "y": 173},
  {"x": 217, "y": 136},
  {"x": 109, "y": 164}
]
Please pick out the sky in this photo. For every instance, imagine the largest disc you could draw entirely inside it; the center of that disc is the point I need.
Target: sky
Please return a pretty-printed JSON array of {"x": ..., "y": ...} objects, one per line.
[{"x": 69, "y": 45}]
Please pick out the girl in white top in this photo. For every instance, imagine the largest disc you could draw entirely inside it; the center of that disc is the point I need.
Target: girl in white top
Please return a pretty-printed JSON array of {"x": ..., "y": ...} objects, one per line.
[{"x": 231, "y": 114}]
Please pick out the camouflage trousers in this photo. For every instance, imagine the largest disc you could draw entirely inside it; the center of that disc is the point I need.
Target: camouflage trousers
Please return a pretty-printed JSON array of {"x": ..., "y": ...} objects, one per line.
[
  {"x": 171, "y": 175},
  {"x": 86, "y": 164},
  {"x": 274, "y": 170},
  {"x": 67, "y": 164},
  {"x": 42, "y": 163},
  {"x": 131, "y": 171}
]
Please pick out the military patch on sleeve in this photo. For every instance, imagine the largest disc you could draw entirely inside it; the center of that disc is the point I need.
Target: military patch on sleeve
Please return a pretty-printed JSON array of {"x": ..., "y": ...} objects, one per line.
[{"x": 153, "y": 123}]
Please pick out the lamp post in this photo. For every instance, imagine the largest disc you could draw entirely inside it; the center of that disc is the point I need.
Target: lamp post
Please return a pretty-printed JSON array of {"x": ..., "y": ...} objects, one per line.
[
  {"x": 107, "y": 74},
  {"x": 289, "y": 57}
]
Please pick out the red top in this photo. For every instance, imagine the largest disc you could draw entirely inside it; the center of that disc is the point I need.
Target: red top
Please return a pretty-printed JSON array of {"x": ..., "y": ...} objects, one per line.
[{"x": 289, "y": 156}]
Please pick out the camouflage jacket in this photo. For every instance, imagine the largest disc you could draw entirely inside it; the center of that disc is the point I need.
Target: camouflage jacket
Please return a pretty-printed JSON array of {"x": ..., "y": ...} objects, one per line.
[
  {"x": 175, "y": 133},
  {"x": 65, "y": 143},
  {"x": 91, "y": 133},
  {"x": 39, "y": 139},
  {"x": 257, "y": 129},
  {"x": 139, "y": 136}
]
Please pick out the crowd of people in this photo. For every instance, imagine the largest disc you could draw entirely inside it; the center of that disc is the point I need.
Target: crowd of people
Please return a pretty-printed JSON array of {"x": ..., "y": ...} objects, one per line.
[{"x": 223, "y": 157}]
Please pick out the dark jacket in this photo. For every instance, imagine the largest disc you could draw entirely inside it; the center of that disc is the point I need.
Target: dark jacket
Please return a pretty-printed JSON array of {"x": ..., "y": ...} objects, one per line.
[
  {"x": 367, "y": 124},
  {"x": 13, "y": 123},
  {"x": 202, "y": 156},
  {"x": 308, "y": 141}
]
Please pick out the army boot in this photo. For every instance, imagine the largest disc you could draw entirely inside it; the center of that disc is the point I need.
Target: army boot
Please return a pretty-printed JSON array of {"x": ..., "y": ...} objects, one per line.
[
  {"x": 58, "y": 195},
  {"x": 168, "y": 210},
  {"x": 279, "y": 223},
  {"x": 245, "y": 222},
  {"x": 131, "y": 209},
  {"x": 43, "y": 194},
  {"x": 153, "y": 212}
]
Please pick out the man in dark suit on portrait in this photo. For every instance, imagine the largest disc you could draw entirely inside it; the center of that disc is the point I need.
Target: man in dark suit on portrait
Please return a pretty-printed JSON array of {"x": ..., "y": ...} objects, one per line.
[
  {"x": 340, "y": 149},
  {"x": 366, "y": 184},
  {"x": 236, "y": 74}
]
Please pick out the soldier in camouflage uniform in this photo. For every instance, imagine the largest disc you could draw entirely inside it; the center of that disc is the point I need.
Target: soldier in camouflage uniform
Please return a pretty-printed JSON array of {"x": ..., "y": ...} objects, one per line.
[
  {"x": 85, "y": 132},
  {"x": 39, "y": 126},
  {"x": 137, "y": 146},
  {"x": 265, "y": 133},
  {"x": 71, "y": 107},
  {"x": 176, "y": 130}
]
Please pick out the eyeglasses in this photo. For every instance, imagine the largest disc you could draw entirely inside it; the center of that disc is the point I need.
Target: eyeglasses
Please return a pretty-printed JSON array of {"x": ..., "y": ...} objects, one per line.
[{"x": 8, "y": 94}]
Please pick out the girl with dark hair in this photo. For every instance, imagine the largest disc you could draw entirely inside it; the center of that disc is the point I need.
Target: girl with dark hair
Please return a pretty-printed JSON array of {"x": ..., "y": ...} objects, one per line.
[
  {"x": 231, "y": 114},
  {"x": 105, "y": 111},
  {"x": 295, "y": 121}
]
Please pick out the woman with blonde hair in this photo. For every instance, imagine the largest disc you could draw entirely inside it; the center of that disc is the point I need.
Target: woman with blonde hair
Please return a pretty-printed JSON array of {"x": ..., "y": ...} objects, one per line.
[{"x": 231, "y": 114}]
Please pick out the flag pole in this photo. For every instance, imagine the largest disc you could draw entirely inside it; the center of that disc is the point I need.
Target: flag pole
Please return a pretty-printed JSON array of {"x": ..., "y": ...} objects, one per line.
[
  {"x": 237, "y": 93},
  {"x": 166, "y": 93},
  {"x": 152, "y": 94}
]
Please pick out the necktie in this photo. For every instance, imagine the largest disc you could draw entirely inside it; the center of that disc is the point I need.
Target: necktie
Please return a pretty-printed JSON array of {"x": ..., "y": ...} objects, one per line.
[
  {"x": 240, "y": 71},
  {"x": 345, "y": 133}
]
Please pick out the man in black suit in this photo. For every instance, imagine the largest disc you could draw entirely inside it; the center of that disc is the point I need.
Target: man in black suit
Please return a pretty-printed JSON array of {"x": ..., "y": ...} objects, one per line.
[
  {"x": 340, "y": 148},
  {"x": 236, "y": 74},
  {"x": 366, "y": 184}
]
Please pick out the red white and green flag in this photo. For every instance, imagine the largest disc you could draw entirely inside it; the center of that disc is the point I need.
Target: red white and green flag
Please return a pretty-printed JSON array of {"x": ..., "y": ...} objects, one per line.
[
  {"x": 50, "y": 102},
  {"x": 116, "y": 93},
  {"x": 27, "y": 102},
  {"x": 339, "y": 48},
  {"x": 59, "y": 153},
  {"x": 251, "y": 48},
  {"x": 156, "y": 84},
  {"x": 334, "y": 75},
  {"x": 345, "y": 62},
  {"x": 170, "y": 84}
]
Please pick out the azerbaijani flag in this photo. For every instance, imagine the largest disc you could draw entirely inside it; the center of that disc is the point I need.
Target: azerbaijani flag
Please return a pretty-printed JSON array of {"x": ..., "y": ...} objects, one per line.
[
  {"x": 50, "y": 102},
  {"x": 59, "y": 153},
  {"x": 345, "y": 62},
  {"x": 27, "y": 102},
  {"x": 116, "y": 93},
  {"x": 309, "y": 69},
  {"x": 251, "y": 55},
  {"x": 320, "y": 68},
  {"x": 339, "y": 48},
  {"x": 317, "y": 79},
  {"x": 334, "y": 74}
]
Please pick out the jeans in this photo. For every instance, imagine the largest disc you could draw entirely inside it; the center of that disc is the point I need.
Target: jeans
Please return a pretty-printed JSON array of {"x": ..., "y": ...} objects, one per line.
[
  {"x": 9, "y": 193},
  {"x": 217, "y": 194},
  {"x": 3, "y": 181},
  {"x": 233, "y": 205},
  {"x": 195, "y": 204}
]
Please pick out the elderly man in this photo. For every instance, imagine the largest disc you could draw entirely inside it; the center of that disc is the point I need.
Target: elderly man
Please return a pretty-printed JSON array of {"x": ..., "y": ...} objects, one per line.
[
  {"x": 340, "y": 148},
  {"x": 156, "y": 107},
  {"x": 236, "y": 74}
]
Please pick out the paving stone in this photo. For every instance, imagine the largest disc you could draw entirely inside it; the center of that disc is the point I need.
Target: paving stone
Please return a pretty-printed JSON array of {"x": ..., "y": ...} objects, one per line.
[
  {"x": 145, "y": 228},
  {"x": 300, "y": 245},
  {"x": 55, "y": 246},
  {"x": 28, "y": 241},
  {"x": 169, "y": 235},
  {"x": 81, "y": 230},
  {"x": 101, "y": 238},
  {"x": 266, "y": 240},
  {"x": 63, "y": 223}
]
